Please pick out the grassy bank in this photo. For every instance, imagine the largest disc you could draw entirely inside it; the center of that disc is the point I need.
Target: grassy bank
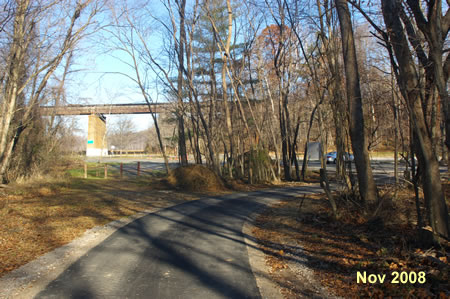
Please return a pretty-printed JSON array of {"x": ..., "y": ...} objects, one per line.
[{"x": 39, "y": 215}]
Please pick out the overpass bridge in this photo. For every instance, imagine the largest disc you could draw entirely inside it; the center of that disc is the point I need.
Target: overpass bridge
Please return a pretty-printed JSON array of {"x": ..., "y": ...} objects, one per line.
[
  {"x": 96, "y": 141},
  {"x": 141, "y": 108}
]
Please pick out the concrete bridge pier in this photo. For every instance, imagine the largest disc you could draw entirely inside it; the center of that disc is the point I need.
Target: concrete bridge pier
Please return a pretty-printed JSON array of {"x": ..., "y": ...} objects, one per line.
[{"x": 96, "y": 142}]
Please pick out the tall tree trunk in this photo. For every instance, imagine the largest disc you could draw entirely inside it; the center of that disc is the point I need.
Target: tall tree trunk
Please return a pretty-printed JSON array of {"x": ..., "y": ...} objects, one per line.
[
  {"x": 284, "y": 138},
  {"x": 180, "y": 113},
  {"x": 294, "y": 150},
  {"x": 367, "y": 187},
  {"x": 330, "y": 43},
  {"x": 225, "y": 57},
  {"x": 435, "y": 30},
  {"x": 432, "y": 187},
  {"x": 16, "y": 60}
]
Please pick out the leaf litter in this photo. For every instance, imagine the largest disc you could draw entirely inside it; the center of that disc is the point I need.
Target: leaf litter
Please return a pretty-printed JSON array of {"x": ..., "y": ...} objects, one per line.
[{"x": 336, "y": 250}]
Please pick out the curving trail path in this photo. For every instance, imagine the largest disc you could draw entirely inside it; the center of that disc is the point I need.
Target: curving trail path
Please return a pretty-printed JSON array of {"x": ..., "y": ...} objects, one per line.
[{"x": 192, "y": 250}]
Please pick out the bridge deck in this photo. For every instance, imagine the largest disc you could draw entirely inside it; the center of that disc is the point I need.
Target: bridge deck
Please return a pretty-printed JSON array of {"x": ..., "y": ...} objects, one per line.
[{"x": 104, "y": 109}]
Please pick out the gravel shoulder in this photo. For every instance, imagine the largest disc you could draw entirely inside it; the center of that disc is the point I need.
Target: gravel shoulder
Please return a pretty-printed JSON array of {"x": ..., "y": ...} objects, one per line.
[{"x": 294, "y": 279}]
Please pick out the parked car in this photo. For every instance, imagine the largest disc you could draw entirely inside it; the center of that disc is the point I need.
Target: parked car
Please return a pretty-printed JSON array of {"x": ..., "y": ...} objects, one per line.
[{"x": 331, "y": 157}]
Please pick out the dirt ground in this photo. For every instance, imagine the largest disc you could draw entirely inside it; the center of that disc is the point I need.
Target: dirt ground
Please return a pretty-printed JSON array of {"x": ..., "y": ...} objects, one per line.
[{"x": 337, "y": 250}]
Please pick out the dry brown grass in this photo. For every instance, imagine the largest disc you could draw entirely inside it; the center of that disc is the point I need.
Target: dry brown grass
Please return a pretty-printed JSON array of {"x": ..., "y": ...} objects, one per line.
[
  {"x": 36, "y": 220},
  {"x": 40, "y": 214}
]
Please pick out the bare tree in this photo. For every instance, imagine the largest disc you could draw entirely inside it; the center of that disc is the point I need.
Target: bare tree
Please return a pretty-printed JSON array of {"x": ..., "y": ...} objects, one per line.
[
  {"x": 435, "y": 27},
  {"x": 194, "y": 98},
  {"x": 130, "y": 39},
  {"x": 121, "y": 133},
  {"x": 280, "y": 41},
  {"x": 407, "y": 78},
  {"x": 32, "y": 59},
  {"x": 367, "y": 187},
  {"x": 180, "y": 49},
  {"x": 329, "y": 38}
]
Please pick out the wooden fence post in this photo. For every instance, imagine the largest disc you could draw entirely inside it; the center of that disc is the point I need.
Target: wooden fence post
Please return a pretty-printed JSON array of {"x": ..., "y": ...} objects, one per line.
[
  {"x": 138, "y": 168},
  {"x": 85, "y": 170},
  {"x": 106, "y": 171},
  {"x": 121, "y": 170}
]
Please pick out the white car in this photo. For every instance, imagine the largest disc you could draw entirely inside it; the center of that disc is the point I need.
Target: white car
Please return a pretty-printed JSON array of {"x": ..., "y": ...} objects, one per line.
[{"x": 331, "y": 157}]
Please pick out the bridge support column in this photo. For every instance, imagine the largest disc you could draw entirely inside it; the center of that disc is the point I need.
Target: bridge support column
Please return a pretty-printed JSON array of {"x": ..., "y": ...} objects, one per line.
[{"x": 96, "y": 143}]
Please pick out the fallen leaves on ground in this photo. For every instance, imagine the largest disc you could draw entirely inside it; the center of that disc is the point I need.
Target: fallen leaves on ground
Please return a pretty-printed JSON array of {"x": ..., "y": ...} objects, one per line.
[
  {"x": 35, "y": 223},
  {"x": 338, "y": 249}
]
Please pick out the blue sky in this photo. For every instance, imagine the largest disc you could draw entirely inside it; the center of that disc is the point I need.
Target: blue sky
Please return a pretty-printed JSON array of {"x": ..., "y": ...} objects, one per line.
[
  {"x": 97, "y": 81},
  {"x": 98, "y": 86}
]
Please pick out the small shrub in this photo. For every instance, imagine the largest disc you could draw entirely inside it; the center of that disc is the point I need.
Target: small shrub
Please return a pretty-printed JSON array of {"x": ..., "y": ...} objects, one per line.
[
  {"x": 260, "y": 163},
  {"x": 195, "y": 178}
]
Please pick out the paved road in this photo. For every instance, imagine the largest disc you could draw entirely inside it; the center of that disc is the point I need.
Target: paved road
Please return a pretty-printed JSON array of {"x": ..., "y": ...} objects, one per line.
[
  {"x": 193, "y": 250},
  {"x": 380, "y": 166},
  {"x": 383, "y": 169}
]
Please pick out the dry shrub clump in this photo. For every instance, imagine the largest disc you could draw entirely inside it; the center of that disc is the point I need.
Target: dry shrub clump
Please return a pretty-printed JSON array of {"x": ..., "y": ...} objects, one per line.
[{"x": 195, "y": 178}]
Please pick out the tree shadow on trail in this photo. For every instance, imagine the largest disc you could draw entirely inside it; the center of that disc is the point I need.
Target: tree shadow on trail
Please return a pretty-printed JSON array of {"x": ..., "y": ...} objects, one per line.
[{"x": 195, "y": 249}]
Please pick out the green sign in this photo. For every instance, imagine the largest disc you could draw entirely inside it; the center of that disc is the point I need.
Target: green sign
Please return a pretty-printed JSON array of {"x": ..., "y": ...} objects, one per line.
[{"x": 90, "y": 141}]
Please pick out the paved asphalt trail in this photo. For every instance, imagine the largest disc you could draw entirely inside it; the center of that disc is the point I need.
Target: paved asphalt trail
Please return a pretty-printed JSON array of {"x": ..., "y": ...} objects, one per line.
[{"x": 192, "y": 250}]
